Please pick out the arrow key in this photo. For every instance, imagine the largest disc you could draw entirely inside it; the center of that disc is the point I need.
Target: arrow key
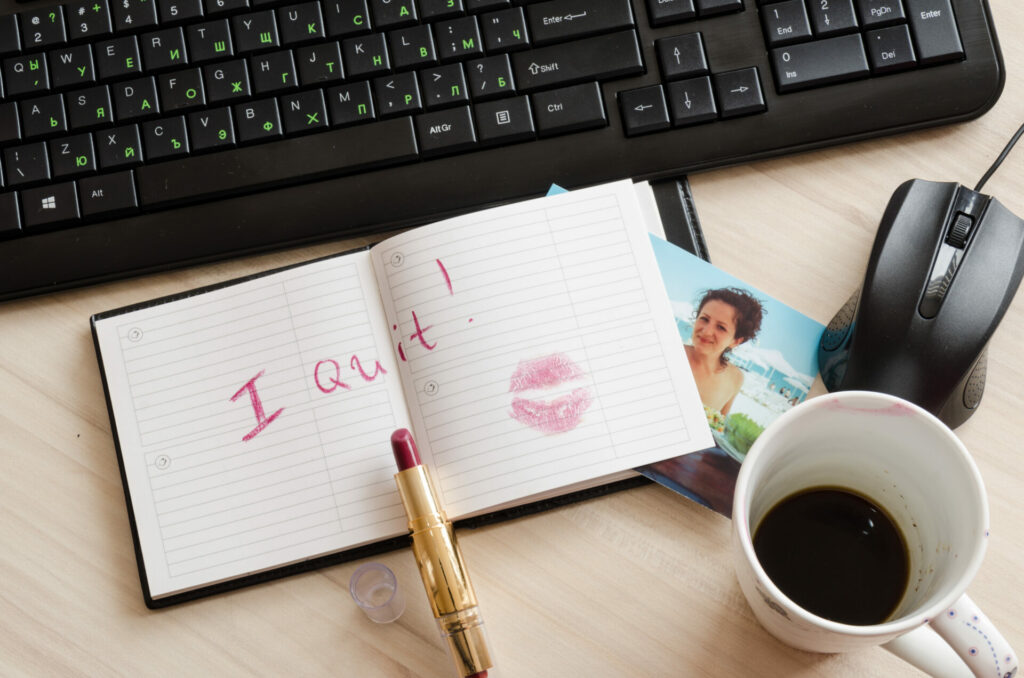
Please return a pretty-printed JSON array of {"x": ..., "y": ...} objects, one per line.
[
  {"x": 644, "y": 110},
  {"x": 739, "y": 92},
  {"x": 691, "y": 101},
  {"x": 682, "y": 56}
]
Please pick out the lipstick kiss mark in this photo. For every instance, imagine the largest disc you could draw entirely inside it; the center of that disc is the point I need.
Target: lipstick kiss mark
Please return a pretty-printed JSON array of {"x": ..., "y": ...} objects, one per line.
[{"x": 560, "y": 414}]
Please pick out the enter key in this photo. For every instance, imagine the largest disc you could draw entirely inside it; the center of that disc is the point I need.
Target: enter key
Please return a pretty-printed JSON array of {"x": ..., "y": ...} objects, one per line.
[
  {"x": 934, "y": 27},
  {"x": 559, "y": 20}
]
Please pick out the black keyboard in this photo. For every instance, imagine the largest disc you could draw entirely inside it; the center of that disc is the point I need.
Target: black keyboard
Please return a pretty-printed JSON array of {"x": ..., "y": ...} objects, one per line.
[{"x": 139, "y": 135}]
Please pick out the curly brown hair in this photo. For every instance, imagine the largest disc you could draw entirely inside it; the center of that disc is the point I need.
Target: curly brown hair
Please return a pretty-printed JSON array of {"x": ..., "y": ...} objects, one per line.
[{"x": 749, "y": 312}]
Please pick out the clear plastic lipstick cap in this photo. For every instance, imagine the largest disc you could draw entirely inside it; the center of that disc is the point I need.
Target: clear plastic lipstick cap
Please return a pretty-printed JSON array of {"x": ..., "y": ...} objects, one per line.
[{"x": 374, "y": 587}]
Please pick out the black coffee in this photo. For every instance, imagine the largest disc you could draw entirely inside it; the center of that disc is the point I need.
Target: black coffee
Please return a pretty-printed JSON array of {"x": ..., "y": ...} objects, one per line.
[{"x": 836, "y": 554}]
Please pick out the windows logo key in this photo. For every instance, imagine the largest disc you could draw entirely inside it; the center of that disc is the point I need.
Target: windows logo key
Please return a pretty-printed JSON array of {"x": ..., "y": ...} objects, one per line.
[{"x": 50, "y": 205}]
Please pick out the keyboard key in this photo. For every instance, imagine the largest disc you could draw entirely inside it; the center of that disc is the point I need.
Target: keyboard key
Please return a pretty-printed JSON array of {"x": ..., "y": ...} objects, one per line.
[
  {"x": 682, "y": 56},
  {"x": 691, "y": 101},
  {"x": 135, "y": 99},
  {"x": 505, "y": 31},
  {"x": 26, "y": 74},
  {"x": 644, "y": 110},
  {"x": 43, "y": 116},
  {"x": 10, "y": 37},
  {"x": 301, "y": 23},
  {"x": 71, "y": 156},
  {"x": 132, "y": 15},
  {"x": 223, "y": 6},
  {"x": 71, "y": 66},
  {"x": 258, "y": 121},
  {"x": 89, "y": 19},
  {"x": 320, "y": 63},
  {"x": 397, "y": 94},
  {"x": 89, "y": 108},
  {"x": 118, "y": 57},
  {"x": 785, "y": 22},
  {"x": 393, "y": 13},
  {"x": 181, "y": 90},
  {"x": 175, "y": 11},
  {"x": 569, "y": 109},
  {"x": 599, "y": 58},
  {"x": 10, "y": 217},
  {"x": 211, "y": 130},
  {"x": 10, "y": 127},
  {"x": 274, "y": 72},
  {"x": 711, "y": 7},
  {"x": 412, "y": 47},
  {"x": 445, "y": 132},
  {"x": 833, "y": 17},
  {"x": 365, "y": 55},
  {"x": 256, "y": 31},
  {"x": 304, "y": 112},
  {"x": 739, "y": 92},
  {"x": 662, "y": 12},
  {"x": 50, "y": 205},
  {"x": 227, "y": 81},
  {"x": 346, "y": 17},
  {"x": 458, "y": 39},
  {"x": 209, "y": 41},
  {"x": 504, "y": 122},
  {"x": 490, "y": 77},
  {"x": 331, "y": 153},
  {"x": 350, "y": 104},
  {"x": 165, "y": 139},
  {"x": 431, "y": 10},
  {"x": 108, "y": 194},
  {"x": 878, "y": 13},
  {"x": 443, "y": 86},
  {"x": 484, "y": 5},
  {"x": 43, "y": 27},
  {"x": 889, "y": 49},
  {"x": 27, "y": 164},
  {"x": 163, "y": 50},
  {"x": 119, "y": 147},
  {"x": 935, "y": 31},
  {"x": 820, "y": 62},
  {"x": 561, "y": 20}
]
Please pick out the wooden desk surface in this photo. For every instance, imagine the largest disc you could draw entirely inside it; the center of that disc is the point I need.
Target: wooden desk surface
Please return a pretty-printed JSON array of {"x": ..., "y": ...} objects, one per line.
[{"x": 635, "y": 584}]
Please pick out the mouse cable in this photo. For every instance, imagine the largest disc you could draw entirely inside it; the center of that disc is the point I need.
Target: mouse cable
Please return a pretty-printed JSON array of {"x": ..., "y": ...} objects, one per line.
[{"x": 999, "y": 160}]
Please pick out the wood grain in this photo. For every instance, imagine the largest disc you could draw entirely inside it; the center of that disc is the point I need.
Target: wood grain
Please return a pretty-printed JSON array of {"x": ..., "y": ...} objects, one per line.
[{"x": 634, "y": 584}]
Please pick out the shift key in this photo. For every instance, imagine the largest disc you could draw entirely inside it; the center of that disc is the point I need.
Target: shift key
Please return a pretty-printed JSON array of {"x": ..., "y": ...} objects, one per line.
[{"x": 598, "y": 58}]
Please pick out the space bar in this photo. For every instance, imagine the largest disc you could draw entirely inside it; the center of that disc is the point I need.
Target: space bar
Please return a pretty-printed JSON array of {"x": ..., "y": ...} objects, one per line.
[{"x": 279, "y": 163}]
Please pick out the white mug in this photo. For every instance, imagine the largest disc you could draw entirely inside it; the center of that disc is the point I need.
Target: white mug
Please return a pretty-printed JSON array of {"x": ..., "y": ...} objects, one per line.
[{"x": 909, "y": 463}]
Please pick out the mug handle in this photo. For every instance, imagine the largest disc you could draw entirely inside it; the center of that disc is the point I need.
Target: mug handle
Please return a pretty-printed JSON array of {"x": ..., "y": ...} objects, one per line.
[{"x": 959, "y": 644}]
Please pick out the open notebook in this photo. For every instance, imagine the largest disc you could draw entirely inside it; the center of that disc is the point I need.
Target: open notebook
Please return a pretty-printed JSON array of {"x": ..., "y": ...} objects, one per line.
[{"x": 531, "y": 349}]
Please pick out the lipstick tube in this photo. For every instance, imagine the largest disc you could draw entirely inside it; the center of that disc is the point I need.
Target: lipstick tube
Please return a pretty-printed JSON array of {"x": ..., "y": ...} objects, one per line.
[{"x": 451, "y": 595}]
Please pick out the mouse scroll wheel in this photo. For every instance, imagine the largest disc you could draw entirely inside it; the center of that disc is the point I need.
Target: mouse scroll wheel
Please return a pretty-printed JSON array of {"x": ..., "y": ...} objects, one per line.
[{"x": 959, "y": 230}]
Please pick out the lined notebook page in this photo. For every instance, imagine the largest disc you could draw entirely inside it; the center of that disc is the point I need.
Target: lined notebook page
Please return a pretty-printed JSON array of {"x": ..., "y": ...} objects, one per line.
[
  {"x": 254, "y": 420},
  {"x": 537, "y": 347}
]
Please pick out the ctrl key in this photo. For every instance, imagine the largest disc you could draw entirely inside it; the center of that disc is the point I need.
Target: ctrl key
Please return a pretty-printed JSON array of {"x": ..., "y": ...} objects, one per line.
[
  {"x": 10, "y": 219},
  {"x": 569, "y": 109},
  {"x": 50, "y": 205}
]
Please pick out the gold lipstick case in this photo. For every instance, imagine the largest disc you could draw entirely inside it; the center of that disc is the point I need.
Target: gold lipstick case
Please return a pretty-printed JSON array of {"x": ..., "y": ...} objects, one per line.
[{"x": 449, "y": 590}]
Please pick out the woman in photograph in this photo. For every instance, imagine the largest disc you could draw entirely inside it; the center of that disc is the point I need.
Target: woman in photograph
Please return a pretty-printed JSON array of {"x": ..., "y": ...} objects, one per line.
[{"x": 726, "y": 318}]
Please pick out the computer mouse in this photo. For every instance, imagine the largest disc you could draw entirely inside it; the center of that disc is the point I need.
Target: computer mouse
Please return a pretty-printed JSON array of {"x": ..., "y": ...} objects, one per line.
[{"x": 943, "y": 269}]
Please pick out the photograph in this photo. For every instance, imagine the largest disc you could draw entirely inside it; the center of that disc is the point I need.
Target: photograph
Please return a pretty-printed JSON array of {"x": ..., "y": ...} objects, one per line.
[{"x": 752, "y": 358}]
